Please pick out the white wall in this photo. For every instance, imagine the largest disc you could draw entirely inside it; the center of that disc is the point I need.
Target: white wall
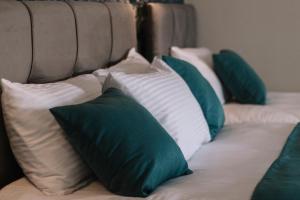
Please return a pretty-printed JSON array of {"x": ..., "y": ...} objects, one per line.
[{"x": 265, "y": 32}]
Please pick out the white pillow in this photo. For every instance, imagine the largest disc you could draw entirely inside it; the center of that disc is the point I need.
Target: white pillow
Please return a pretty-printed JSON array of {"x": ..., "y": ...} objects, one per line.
[
  {"x": 202, "y": 53},
  {"x": 203, "y": 68},
  {"x": 134, "y": 63},
  {"x": 170, "y": 101},
  {"x": 37, "y": 140}
]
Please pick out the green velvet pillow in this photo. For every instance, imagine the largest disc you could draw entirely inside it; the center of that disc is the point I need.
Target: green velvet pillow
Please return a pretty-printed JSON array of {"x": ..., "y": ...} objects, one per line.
[
  {"x": 127, "y": 149},
  {"x": 203, "y": 92},
  {"x": 239, "y": 78}
]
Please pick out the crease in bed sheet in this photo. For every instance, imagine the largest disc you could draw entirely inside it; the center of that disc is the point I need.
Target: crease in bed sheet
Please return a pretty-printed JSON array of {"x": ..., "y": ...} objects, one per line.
[
  {"x": 226, "y": 169},
  {"x": 280, "y": 108}
]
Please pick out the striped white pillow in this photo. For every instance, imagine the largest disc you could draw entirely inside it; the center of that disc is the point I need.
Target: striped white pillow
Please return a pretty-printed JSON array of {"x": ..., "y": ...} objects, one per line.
[
  {"x": 170, "y": 101},
  {"x": 37, "y": 140}
]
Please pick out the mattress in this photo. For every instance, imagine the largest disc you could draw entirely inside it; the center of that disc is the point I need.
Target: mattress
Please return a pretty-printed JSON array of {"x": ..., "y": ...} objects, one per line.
[
  {"x": 281, "y": 108},
  {"x": 227, "y": 169}
]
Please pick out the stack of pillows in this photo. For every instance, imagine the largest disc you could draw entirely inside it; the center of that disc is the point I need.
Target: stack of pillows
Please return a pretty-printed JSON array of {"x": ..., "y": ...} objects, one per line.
[{"x": 133, "y": 126}]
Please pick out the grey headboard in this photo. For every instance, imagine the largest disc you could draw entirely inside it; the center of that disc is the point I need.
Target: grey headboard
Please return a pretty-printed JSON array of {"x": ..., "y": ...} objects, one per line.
[
  {"x": 167, "y": 25},
  {"x": 46, "y": 41}
]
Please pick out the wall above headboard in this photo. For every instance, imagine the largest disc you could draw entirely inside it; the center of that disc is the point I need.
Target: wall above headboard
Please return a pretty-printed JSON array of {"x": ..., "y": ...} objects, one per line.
[{"x": 266, "y": 33}]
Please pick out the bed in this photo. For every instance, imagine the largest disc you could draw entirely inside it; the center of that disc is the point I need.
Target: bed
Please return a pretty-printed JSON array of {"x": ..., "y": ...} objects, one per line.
[
  {"x": 281, "y": 107},
  {"x": 40, "y": 48},
  {"x": 228, "y": 168},
  {"x": 165, "y": 26}
]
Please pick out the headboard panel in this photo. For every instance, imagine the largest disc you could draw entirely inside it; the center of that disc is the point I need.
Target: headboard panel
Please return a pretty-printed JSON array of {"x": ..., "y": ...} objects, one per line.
[
  {"x": 53, "y": 40},
  {"x": 15, "y": 41},
  {"x": 167, "y": 25},
  {"x": 46, "y": 41}
]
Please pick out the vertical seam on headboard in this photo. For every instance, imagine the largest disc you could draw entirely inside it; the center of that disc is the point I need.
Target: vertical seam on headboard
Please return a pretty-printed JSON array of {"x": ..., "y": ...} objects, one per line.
[
  {"x": 111, "y": 31},
  {"x": 76, "y": 33},
  {"x": 31, "y": 30},
  {"x": 173, "y": 27},
  {"x": 187, "y": 33}
]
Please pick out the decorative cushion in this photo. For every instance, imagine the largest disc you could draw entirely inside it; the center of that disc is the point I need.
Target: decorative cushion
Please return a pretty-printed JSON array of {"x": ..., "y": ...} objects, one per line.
[
  {"x": 203, "y": 92},
  {"x": 37, "y": 140},
  {"x": 170, "y": 101},
  {"x": 239, "y": 78},
  {"x": 127, "y": 149},
  {"x": 202, "y": 67}
]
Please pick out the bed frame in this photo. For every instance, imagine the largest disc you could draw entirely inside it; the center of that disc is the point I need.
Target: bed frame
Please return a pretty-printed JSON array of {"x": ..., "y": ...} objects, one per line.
[
  {"x": 47, "y": 41},
  {"x": 166, "y": 25}
]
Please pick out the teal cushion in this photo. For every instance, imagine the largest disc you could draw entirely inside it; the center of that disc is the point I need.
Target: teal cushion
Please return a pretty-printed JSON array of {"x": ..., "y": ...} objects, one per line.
[
  {"x": 127, "y": 149},
  {"x": 203, "y": 92},
  {"x": 239, "y": 78}
]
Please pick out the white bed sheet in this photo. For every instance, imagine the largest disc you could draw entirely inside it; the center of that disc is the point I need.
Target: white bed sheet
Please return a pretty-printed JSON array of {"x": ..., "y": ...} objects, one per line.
[
  {"x": 226, "y": 169},
  {"x": 281, "y": 108}
]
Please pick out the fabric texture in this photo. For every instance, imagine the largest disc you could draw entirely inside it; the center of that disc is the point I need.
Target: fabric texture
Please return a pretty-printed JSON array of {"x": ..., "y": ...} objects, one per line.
[
  {"x": 228, "y": 169},
  {"x": 16, "y": 45},
  {"x": 9, "y": 169},
  {"x": 202, "y": 53},
  {"x": 170, "y": 101},
  {"x": 239, "y": 78},
  {"x": 243, "y": 113},
  {"x": 37, "y": 140},
  {"x": 281, "y": 107},
  {"x": 134, "y": 63},
  {"x": 203, "y": 68},
  {"x": 203, "y": 92},
  {"x": 126, "y": 147},
  {"x": 49, "y": 41},
  {"x": 167, "y": 25},
  {"x": 282, "y": 179},
  {"x": 50, "y": 19}
]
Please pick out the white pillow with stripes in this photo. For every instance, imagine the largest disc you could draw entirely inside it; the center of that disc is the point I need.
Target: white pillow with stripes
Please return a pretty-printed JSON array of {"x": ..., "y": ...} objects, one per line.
[
  {"x": 37, "y": 140},
  {"x": 170, "y": 101}
]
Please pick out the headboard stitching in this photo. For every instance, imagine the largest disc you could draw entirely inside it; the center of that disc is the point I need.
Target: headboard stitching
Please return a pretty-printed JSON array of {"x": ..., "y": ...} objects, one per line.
[
  {"x": 76, "y": 33},
  {"x": 111, "y": 30},
  {"x": 31, "y": 28}
]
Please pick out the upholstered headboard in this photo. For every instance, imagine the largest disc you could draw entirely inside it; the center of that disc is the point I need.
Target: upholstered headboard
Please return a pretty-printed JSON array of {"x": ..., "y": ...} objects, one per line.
[
  {"x": 46, "y": 41},
  {"x": 167, "y": 25}
]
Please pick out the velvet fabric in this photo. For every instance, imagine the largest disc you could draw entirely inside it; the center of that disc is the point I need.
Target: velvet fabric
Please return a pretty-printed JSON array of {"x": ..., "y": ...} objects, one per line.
[{"x": 128, "y": 150}]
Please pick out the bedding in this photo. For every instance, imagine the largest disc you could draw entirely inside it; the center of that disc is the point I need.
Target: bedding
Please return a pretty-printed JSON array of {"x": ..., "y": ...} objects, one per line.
[
  {"x": 166, "y": 96},
  {"x": 227, "y": 169},
  {"x": 49, "y": 41},
  {"x": 134, "y": 63},
  {"x": 240, "y": 80},
  {"x": 202, "y": 91},
  {"x": 206, "y": 71},
  {"x": 128, "y": 159},
  {"x": 37, "y": 140},
  {"x": 202, "y": 53},
  {"x": 281, "y": 107},
  {"x": 282, "y": 180}
]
